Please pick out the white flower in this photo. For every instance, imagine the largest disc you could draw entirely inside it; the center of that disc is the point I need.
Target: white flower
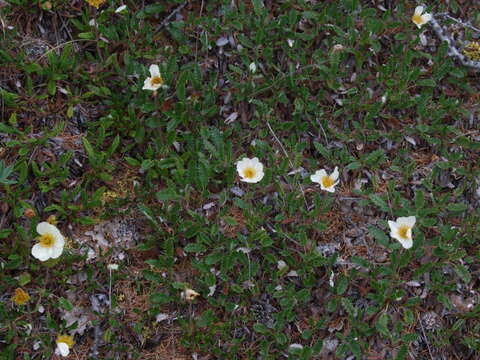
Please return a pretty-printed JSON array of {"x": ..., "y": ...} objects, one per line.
[
  {"x": 50, "y": 242},
  {"x": 211, "y": 290},
  {"x": 64, "y": 343},
  {"x": 327, "y": 182},
  {"x": 330, "y": 279},
  {"x": 189, "y": 294},
  {"x": 290, "y": 42},
  {"x": 120, "y": 9},
  {"x": 112, "y": 267},
  {"x": 250, "y": 170},
  {"x": 401, "y": 230},
  {"x": 63, "y": 349},
  {"x": 281, "y": 264},
  {"x": 419, "y": 18},
  {"x": 253, "y": 67},
  {"x": 155, "y": 81}
]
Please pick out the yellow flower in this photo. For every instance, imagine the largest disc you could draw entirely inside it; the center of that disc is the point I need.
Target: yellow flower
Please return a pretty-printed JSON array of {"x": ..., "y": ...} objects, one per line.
[
  {"x": 64, "y": 344},
  {"x": 96, "y": 3},
  {"x": 21, "y": 297}
]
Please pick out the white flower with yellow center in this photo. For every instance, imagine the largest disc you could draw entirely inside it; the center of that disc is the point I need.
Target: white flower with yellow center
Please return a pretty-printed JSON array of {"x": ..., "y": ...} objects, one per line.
[
  {"x": 327, "y": 182},
  {"x": 50, "y": 242},
  {"x": 189, "y": 294},
  {"x": 64, "y": 343},
  {"x": 155, "y": 81},
  {"x": 250, "y": 170},
  {"x": 419, "y": 18},
  {"x": 401, "y": 230}
]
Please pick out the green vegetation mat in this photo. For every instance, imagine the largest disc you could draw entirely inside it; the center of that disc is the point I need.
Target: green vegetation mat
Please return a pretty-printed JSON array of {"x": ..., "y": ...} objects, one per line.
[{"x": 136, "y": 223}]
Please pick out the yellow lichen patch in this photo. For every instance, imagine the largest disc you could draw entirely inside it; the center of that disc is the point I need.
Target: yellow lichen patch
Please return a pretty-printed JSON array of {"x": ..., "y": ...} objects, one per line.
[
  {"x": 21, "y": 297},
  {"x": 472, "y": 50}
]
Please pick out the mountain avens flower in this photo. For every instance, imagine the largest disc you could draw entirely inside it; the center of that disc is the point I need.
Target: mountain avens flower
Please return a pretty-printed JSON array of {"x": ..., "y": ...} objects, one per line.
[
  {"x": 155, "y": 81},
  {"x": 64, "y": 344},
  {"x": 419, "y": 18},
  {"x": 327, "y": 182},
  {"x": 401, "y": 230},
  {"x": 50, "y": 242},
  {"x": 189, "y": 294},
  {"x": 250, "y": 170}
]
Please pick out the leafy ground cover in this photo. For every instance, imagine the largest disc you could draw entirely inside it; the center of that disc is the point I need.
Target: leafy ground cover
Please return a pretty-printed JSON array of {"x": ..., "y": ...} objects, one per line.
[{"x": 168, "y": 254}]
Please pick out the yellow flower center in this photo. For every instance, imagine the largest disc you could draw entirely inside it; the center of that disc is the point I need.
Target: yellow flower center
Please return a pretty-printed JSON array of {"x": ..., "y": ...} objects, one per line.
[
  {"x": 67, "y": 339},
  {"x": 47, "y": 240},
  {"x": 21, "y": 297},
  {"x": 156, "y": 80},
  {"x": 249, "y": 173},
  {"x": 417, "y": 19},
  {"x": 327, "y": 181},
  {"x": 95, "y": 3},
  {"x": 403, "y": 231}
]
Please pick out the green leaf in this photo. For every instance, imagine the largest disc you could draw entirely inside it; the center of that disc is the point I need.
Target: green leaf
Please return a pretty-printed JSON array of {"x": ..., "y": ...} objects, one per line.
[
  {"x": 195, "y": 248},
  {"x": 419, "y": 200},
  {"x": 166, "y": 195},
  {"x": 379, "y": 235},
  {"x": 378, "y": 201},
  {"x": 341, "y": 285},
  {"x": 65, "y": 304},
  {"x": 261, "y": 328},
  {"x": 90, "y": 152},
  {"x": 159, "y": 299},
  {"x": 463, "y": 273},
  {"x": 457, "y": 207},
  {"x": 382, "y": 325}
]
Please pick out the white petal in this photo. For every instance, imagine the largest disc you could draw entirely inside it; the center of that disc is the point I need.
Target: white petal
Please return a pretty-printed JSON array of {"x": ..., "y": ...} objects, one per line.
[
  {"x": 242, "y": 164},
  {"x": 258, "y": 166},
  {"x": 335, "y": 174},
  {"x": 147, "y": 84},
  {"x": 59, "y": 240},
  {"x": 426, "y": 18},
  {"x": 154, "y": 70},
  {"x": 406, "y": 243},
  {"x": 120, "y": 8},
  {"x": 56, "y": 251},
  {"x": 40, "y": 253},
  {"x": 63, "y": 349},
  {"x": 419, "y": 10},
  {"x": 409, "y": 221},
  {"x": 329, "y": 189},
  {"x": 318, "y": 176},
  {"x": 45, "y": 228}
]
